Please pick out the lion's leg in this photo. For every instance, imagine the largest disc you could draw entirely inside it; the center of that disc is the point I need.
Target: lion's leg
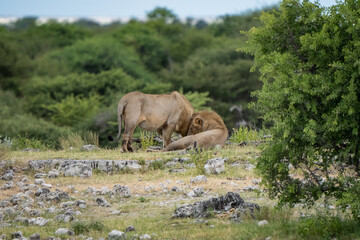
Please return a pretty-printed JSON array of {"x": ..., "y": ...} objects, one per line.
[
  {"x": 180, "y": 144},
  {"x": 166, "y": 134},
  {"x": 127, "y": 137}
]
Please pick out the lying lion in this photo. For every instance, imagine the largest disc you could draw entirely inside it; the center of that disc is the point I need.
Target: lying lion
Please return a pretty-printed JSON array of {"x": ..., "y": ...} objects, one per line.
[
  {"x": 165, "y": 113},
  {"x": 206, "y": 130}
]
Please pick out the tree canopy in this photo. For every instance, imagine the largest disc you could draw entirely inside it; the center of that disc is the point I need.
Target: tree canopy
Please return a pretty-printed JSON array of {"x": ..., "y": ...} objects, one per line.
[{"x": 308, "y": 57}]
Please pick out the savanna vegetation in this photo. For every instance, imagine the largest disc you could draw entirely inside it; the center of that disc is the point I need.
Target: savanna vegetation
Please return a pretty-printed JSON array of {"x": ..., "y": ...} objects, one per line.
[
  {"x": 60, "y": 85},
  {"x": 61, "y": 78}
]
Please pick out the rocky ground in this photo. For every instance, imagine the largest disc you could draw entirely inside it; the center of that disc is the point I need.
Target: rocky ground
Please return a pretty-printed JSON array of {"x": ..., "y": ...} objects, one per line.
[{"x": 148, "y": 196}]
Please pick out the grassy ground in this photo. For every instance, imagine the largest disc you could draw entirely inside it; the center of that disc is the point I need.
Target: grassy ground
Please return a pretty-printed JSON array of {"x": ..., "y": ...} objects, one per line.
[{"x": 150, "y": 211}]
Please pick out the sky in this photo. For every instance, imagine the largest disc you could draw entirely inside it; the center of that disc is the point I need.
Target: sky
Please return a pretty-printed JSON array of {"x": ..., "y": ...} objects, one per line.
[{"x": 123, "y": 9}]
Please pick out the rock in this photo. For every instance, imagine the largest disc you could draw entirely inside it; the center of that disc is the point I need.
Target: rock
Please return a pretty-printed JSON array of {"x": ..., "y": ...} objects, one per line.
[
  {"x": 35, "y": 236},
  {"x": 215, "y": 165},
  {"x": 67, "y": 216},
  {"x": 40, "y": 175},
  {"x": 53, "y": 173},
  {"x": 101, "y": 201},
  {"x": 198, "y": 179},
  {"x": 130, "y": 229},
  {"x": 190, "y": 165},
  {"x": 41, "y": 191},
  {"x": 71, "y": 188},
  {"x": 34, "y": 212},
  {"x": 222, "y": 203},
  {"x": 17, "y": 234},
  {"x": 196, "y": 192},
  {"x": 178, "y": 170},
  {"x": 46, "y": 185},
  {"x": 249, "y": 166},
  {"x": 262, "y": 223},
  {"x": 104, "y": 191},
  {"x": 64, "y": 231},
  {"x": 76, "y": 169},
  {"x": 251, "y": 188},
  {"x": 31, "y": 150},
  {"x": 4, "y": 204},
  {"x": 145, "y": 236},
  {"x": 9, "y": 185},
  {"x": 114, "y": 235},
  {"x": 39, "y": 181},
  {"x": 25, "y": 179},
  {"x": 38, "y": 221},
  {"x": 115, "y": 212},
  {"x": 9, "y": 175},
  {"x": 93, "y": 191},
  {"x": 32, "y": 186},
  {"x": 148, "y": 188},
  {"x": 121, "y": 191},
  {"x": 268, "y": 238},
  {"x": 89, "y": 148}
]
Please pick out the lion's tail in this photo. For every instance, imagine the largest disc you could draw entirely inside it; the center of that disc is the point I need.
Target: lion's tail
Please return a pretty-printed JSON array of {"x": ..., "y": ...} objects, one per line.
[{"x": 121, "y": 107}]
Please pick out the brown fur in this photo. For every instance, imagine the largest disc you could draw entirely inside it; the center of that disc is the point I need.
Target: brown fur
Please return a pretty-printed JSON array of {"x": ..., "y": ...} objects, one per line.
[
  {"x": 207, "y": 129},
  {"x": 165, "y": 113}
]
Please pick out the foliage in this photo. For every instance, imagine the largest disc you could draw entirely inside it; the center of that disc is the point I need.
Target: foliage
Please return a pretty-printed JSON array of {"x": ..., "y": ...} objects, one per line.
[
  {"x": 244, "y": 134},
  {"x": 308, "y": 58},
  {"x": 327, "y": 227},
  {"x": 197, "y": 100},
  {"x": 73, "y": 140},
  {"x": 147, "y": 139},
  {"x": 200, "y": 157},
  {"x": 20, "y": 143},
  {"x": 56, "y": 71},
  {"x": 4, "y": 150},
  {"x": 72, "y": 110},
  {"x": 76, "y": 140},
  {"x": 80, "y": 227}
]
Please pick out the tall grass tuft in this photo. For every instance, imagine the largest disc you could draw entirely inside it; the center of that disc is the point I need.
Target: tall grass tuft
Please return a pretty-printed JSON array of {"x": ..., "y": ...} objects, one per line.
[
  {"x": 147, "y": 139},
  {"x": 92, "y": 138},
  {"x": 4, "y": 152},
  {"x": 245, "y": 134},
  {"x": 73, "y": 140}
]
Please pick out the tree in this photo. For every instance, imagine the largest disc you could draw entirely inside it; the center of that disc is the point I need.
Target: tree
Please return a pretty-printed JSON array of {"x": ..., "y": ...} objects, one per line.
[{"x": 308, "y": 57}]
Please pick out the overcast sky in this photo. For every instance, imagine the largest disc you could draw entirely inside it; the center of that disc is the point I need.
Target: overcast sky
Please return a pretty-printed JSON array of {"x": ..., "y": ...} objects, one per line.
[{"x": 130, "y": 8}]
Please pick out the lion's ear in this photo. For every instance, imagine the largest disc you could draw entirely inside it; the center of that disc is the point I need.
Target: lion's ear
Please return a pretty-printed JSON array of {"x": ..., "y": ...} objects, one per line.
[{"x": 199, "y": 121}]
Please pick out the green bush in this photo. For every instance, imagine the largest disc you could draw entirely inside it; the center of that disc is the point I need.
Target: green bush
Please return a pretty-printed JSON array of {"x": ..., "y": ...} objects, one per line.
[
  {"x": 244, "y": 134},
  {"x": 93, "y": 55},
  {"x": 73, "y": 110},
  {"x": 308, "y": 59},
  {"x": 45, "y": 91},
  {"x": 327, "y": 227},
  {"x": 81, "y": 227}
]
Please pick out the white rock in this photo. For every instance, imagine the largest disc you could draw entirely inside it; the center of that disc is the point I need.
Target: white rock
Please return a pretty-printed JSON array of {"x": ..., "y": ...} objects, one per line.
[
  {"x": 62, "y": 231},
  {"x": 215, "y": 165},
  {"x": 198, "y": 179},
  {"x": 263, "y": 222},
  {"x": 145, "y": 236},
  {"x": 38, "y": 221},
  {"x": 114, "y": 235}
]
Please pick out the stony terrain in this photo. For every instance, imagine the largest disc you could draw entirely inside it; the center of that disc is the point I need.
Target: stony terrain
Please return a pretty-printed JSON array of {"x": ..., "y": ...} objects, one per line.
[{"x": 107, "y": 195}]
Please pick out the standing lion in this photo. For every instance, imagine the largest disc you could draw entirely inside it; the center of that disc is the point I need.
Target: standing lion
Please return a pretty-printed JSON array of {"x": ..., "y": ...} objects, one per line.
[{"x": 164, "y": 113}]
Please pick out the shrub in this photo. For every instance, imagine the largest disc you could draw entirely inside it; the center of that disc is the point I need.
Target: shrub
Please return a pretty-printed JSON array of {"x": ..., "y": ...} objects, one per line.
[
  {"x": 311, "y": 95},
  {"x": 73, "y": 110},
  {"x": 244, "y": 134},
  {"x": 147, "y": 139}
]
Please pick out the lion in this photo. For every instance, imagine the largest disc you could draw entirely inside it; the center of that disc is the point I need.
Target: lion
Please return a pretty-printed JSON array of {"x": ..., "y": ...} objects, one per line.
[
  {"x": 206, "y": 130},
  {"x": 164, "y": 113}
]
